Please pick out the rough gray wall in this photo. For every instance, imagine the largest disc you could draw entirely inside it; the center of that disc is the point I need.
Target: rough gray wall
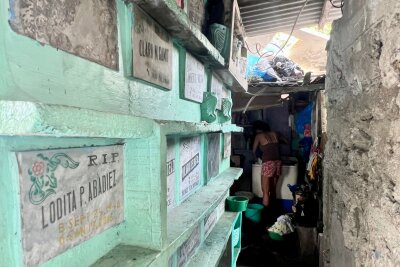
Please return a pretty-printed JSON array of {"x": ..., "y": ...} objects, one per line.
[
  {"x": 85, "y": 28},
  {"x": 362, "y": 161}
]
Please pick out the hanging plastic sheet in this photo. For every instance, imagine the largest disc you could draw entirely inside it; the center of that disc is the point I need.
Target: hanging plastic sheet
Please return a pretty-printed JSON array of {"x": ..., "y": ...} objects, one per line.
[{"x": 303, "y": 118}]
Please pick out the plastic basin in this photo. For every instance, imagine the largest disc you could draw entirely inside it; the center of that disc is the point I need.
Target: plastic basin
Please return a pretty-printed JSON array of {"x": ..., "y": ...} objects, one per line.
[
  {"x": 253, "y": 212},
  {"x": 249, "y": 195},
  {"x": 276, "y": 236},
  {"x": 237, "y": 204}
]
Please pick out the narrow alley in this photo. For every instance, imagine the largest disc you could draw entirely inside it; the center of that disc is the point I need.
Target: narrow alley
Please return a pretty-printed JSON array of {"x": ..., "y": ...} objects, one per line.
[{"x": 190, "y": 133}]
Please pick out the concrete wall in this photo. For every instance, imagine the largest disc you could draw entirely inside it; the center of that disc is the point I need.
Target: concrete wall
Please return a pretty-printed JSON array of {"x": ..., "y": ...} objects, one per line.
[
  {"x": 87, "y": 29},
  {"x": 31, "y": 71},
  {"x": 362, "y": 161},
  {"x": 53, "y": 96}
]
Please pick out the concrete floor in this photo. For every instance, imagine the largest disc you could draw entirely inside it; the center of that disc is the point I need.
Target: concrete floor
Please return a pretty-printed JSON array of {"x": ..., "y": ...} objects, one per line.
[{"x": 258, "y": 250}]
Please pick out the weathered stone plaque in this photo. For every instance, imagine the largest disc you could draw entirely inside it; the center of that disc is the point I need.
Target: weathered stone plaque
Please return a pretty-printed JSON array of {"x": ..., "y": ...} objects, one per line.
[
  {"x": 195, "y": 81},
  {"x": 216, "y": 87},
  {"x": 87, "y": 28},
  {"x": 67, "y": 197},
  {"x": 209, "y": 222},
  {"x": 213, "y": 155},
  {"x": 170, "y": 173},
  {"x": 196, "y": 12},
  {"x": 189, "y": 164},
  {"x": 152, "y": 51},
  {"x": 221, "y": 207},
  {"x": 186, "y": 251},
  {"x": 227, "y": 144}
]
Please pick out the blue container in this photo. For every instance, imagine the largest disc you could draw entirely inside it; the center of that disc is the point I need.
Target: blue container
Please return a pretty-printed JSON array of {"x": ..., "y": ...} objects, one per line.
[{"x": 285, "y": 205}]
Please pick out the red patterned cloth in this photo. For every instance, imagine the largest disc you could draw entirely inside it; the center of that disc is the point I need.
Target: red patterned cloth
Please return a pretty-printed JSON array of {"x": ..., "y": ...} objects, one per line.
[{"x": 271, "y": 168}]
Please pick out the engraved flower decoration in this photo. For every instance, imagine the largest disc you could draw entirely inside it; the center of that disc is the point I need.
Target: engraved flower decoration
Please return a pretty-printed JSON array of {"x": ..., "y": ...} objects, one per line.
[{"x": 38, "y": 168}]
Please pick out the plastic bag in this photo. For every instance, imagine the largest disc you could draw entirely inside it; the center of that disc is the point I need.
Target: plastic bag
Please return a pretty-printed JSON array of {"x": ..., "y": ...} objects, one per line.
[{"x": 260, "y": 69}]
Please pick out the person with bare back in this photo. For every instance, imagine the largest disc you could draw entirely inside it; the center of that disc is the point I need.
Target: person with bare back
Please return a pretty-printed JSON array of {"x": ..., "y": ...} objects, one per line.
[{"x": 268, "y": 141}]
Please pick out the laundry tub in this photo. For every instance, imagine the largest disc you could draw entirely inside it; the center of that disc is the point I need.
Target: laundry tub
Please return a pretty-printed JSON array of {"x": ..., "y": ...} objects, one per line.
[
  {"x": 256, "y": 180},
  {"x": 288, "y": 176}
]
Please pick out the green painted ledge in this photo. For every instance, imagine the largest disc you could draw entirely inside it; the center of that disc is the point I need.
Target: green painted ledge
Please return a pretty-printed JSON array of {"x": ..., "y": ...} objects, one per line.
[
  {"x": 176, "y": 128},
  {"x": 123, "y": 255},
  {"x": 182, "y": 220},
  {"x": 214, "y": 246},
  {"x": 34, "y": 119},
  {"x": 187, "y": 34}
]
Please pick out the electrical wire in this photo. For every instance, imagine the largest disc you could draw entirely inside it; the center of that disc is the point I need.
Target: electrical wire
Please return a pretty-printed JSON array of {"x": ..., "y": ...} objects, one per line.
[
  {"x": 248, "y": 48},
  {"x": 291, "y": 32},
  {"x": 252, "y": 98},
  {"x": 258, "y": 49},
  {"x": 335, "y": 6},
  {"x": 287, "y": 40},
  {"x": 280, "y": 49},
  {"x": 264, "y": 106}
]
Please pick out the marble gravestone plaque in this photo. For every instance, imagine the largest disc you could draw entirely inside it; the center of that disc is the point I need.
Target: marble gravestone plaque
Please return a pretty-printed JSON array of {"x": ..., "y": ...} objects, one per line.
[
  {"x": 213, "y": 155},
  {"x": 152, "y": 51},
  {"x": 68, "y": 196},
  {"x": 216, "y": 87},
  {"x": 196, "y": 12},
  {"x": 87, "y": 28},
  {"x": 186, "y": 251},
  {"x": 189, "y": 165},
  {"x": 224, "y": 94},
  {"x": 194, "y": 79},
  {"x": 209, "y": 222},
  {"x": 170, "y": 173},
  {"x": 221, "y": 208},
  {"x": 227, "y": 144}
]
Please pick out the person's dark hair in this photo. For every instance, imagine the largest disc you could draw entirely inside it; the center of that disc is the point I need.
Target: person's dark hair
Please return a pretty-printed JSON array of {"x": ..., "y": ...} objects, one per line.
[{"x": 261, "y": 125}]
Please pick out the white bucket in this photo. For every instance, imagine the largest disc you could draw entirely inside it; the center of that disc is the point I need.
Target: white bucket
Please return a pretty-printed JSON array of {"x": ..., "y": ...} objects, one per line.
[
  {"x": 289, "y": 176},
  {"x": 256, "y": 180}
]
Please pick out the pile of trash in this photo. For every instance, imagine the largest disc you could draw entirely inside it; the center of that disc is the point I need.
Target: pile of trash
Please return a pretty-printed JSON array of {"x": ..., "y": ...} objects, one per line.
[
  {"x": 279, "y": 69},
  {"x": 286, "y": 68}
]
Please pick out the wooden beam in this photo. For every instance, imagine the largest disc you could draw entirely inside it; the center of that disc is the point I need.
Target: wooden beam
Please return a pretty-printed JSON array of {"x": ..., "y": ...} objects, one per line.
[{"x": 270, "y": 89}]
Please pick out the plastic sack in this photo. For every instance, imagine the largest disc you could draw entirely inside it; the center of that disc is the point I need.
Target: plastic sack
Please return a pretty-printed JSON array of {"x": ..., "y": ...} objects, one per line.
[
  {"x": 260, "y": 69},
  {"x": 285, "y": 67}
]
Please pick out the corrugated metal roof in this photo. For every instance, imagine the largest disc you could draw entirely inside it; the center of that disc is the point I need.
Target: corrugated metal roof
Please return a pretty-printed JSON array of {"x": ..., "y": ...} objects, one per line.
[{"x": 267, "y": 16}]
